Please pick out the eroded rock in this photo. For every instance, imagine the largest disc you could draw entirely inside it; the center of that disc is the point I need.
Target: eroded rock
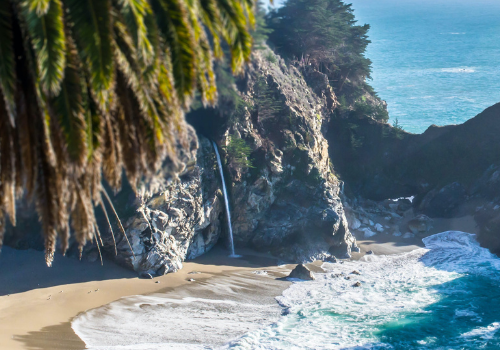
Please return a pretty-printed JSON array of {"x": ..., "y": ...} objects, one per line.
[
  {"x": 301, "y": 272},
  {"x": 420, "y": 224}
]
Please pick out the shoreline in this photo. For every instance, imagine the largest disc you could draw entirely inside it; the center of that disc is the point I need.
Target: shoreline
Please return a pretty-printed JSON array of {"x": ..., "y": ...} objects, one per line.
[{"x": 38, "y": 304}]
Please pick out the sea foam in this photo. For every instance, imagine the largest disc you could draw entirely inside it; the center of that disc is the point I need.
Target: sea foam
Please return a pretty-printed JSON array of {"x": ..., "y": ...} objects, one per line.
[
  {"x": 411, "y": 301},
  {"x": 443, "y": 296}
]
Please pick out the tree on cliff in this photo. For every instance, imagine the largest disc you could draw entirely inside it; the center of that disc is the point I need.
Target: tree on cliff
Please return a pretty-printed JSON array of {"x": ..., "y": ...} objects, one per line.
[
  {"x": 323, "y": 35},
  {"x": 92, "y": 87}
]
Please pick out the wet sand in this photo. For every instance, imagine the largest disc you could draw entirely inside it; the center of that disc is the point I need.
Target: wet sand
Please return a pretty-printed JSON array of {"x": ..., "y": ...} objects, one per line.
[{"x": 37, "y": 303}]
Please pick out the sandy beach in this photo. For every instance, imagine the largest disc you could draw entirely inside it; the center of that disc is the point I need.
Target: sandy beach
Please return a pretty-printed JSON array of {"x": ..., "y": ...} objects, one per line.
[{"x": 38, "y": 303}]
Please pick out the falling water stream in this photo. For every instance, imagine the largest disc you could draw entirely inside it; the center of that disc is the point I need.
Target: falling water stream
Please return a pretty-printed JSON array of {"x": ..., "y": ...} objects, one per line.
[{"x": 226, "y": 200}]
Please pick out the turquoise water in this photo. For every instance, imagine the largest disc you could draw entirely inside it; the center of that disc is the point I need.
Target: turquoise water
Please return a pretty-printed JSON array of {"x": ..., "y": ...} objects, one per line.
[
  {"x": 434, "y": 61},
  {"x": 444, "y": 297}
]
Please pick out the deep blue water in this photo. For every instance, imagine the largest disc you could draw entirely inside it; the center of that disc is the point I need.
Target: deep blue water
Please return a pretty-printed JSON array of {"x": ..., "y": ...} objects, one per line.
[{"x": 434, "y": 61}]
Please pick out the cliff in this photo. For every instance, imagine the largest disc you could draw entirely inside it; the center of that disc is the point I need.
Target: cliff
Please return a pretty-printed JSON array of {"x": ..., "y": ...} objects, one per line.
[
  {"x": 288, "y": 202},
  {"x": 451, "y": 170},
  {"x": 284, "y": 150},
  {"x": 284, "y": 195}
]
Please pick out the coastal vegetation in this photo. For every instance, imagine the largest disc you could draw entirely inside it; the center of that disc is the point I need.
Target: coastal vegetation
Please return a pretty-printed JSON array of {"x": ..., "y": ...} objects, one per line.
[
  {"x": 97, "y": 87},
  {"x": 323, "y": 35}
]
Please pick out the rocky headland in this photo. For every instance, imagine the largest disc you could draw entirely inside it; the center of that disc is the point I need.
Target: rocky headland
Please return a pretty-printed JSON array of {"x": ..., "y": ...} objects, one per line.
[{"x": 302, "y": 178}]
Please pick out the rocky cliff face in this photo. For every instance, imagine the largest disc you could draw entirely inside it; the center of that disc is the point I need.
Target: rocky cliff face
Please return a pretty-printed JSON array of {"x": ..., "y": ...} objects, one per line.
[
  {"x": 289, "y": 202},
  {"x": 286, "y": 202},
  {"x": 181, "y": 221},
  {"x": 452, "y": 170},
  {"x": 379, "y": 161}
]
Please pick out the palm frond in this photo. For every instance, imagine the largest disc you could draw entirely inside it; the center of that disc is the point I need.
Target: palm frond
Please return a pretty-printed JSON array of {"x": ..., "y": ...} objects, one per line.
[
  {"x": 46, "y": 32},
  {"x": 211, "y": 18},
  {"x": 91, "y": 26},
  {"x": 89, "y": 88},
  {"x": 7, "y": 68},
  {"x": 46, "y": 203},
  {"x": 237, "y": 32},
  {"x": 40, "y": 7},
  {"x": 134, "y": 13},
  {"x": 68, "y": 106},
  {"x": 173, "y": 21},
  {"x": 7, "y": 165}
]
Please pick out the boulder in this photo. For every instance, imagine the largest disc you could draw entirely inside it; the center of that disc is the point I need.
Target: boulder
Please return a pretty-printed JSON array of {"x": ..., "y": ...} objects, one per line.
[
  {"x": 488, "y": 220},
  {"x": 420, "y": 224},
  {"x": 368, "y": 233},
  {"x": 444, "y": 203},
  {"x": 301, "y": 272}
]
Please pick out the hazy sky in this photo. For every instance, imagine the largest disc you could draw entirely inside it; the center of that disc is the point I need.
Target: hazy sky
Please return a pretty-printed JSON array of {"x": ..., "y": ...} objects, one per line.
[{"x": 276, "y": 2}]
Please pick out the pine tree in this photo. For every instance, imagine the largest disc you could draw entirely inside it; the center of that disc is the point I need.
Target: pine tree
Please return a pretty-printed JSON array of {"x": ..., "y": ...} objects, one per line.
[{"x": 322, "y": 34}]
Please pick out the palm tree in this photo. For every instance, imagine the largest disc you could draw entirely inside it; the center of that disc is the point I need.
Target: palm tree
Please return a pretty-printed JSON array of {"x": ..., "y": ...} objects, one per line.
[{"x": 91, "y": 87}]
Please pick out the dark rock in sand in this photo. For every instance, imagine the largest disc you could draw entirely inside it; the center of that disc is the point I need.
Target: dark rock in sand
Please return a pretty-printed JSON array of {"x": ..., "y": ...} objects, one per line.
[
  {"x": 302, "y": 272},
  {"x": 370, "y": 252}
]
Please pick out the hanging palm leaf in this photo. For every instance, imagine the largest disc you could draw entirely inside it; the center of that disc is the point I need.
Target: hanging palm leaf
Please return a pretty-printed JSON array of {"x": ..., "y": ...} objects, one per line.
[{"x": 97, "y": 87}]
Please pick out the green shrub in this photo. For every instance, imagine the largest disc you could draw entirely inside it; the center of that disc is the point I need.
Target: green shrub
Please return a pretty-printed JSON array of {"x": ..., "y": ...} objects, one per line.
[
  {"x": 238, "y": 153},
  {"x": 270, "y": 57}
]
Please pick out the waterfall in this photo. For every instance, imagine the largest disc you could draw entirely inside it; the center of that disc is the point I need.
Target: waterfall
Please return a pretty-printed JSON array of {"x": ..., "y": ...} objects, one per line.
[{"x": 226, "y": 200}]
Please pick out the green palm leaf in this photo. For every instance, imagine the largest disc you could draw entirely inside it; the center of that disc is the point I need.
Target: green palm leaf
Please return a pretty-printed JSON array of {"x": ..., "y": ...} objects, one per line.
[
  {"x": 134, "y": 13},
  {"x": 7, "y": 68},
  {"x": 237, "y": 32},
  {"x": 40, "y": 7},
  {"x": 68, "y": 106},
  {"x": 48, "y": 39},
  {"x": 173, "y": 21},
  {"x": 91, "y": 21}
]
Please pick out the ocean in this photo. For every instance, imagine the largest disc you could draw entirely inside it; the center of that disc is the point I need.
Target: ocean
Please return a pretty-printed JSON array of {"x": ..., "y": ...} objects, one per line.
[
  {"x": 441, "y": 297},
  {"x": 434, "y": 61}
]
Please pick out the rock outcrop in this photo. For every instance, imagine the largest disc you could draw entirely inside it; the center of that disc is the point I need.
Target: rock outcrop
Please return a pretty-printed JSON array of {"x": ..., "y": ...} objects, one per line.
[
  {"x": 182, "y": 221},
  {"x": 452, "y": 170},
  {"x": 289, "y": 202},
  {"x": 301, "y": 272},
  {"x": 378, "y": 161}
]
